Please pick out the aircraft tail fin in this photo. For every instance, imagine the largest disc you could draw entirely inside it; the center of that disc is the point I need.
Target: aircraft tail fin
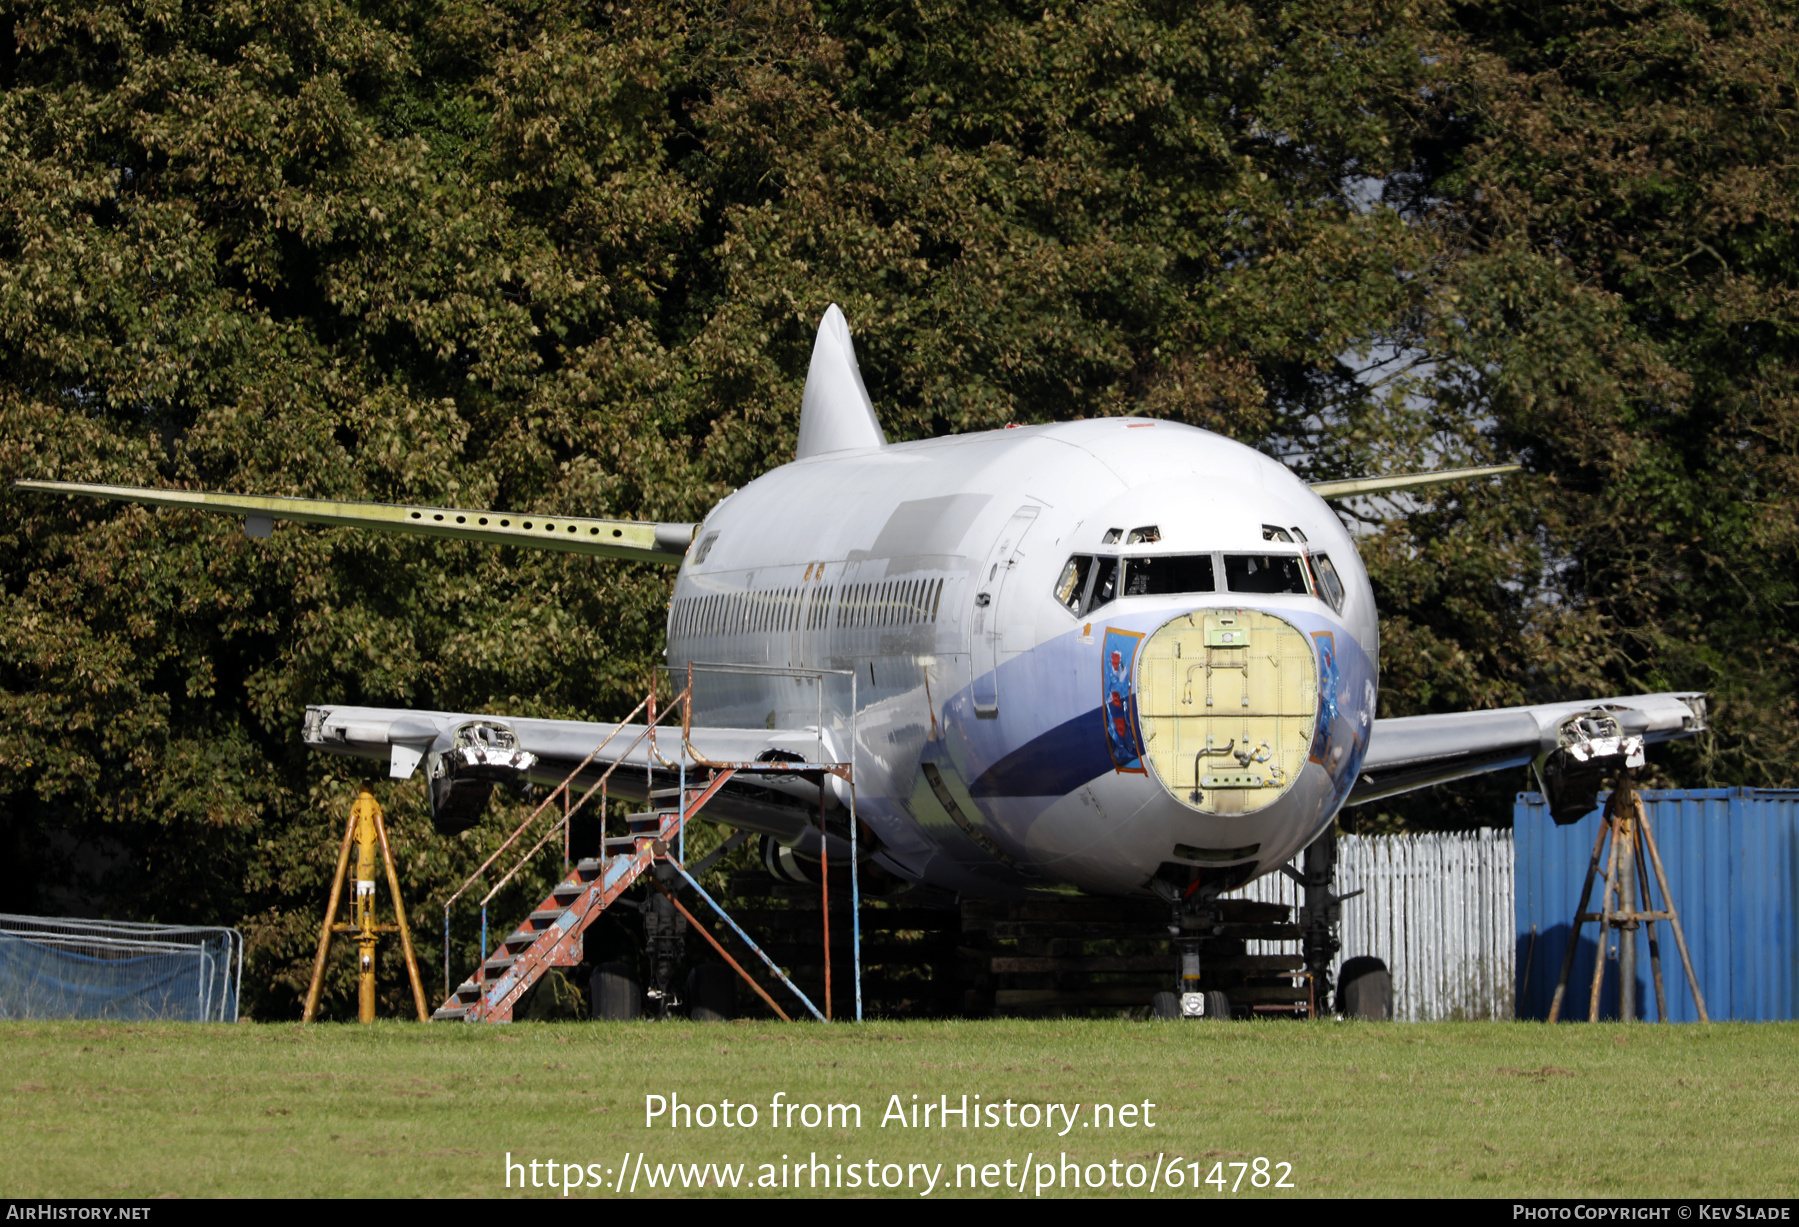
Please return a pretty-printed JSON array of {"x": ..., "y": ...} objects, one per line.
[{"x": 835, "y": 412}]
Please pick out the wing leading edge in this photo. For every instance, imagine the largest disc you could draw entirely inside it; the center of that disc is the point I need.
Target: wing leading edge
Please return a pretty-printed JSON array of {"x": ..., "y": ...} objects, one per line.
[{"x": 1569, "y": 744}]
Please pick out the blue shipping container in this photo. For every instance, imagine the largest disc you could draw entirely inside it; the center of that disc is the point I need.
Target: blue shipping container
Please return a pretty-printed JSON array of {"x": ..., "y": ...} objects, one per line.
[{"x": 1732, "y": 858}]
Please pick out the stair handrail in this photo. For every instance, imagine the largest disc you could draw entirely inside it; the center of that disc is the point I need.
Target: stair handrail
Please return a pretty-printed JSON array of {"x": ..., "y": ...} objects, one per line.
[
  {"x": 673, "y": 851},
  {"x": 564, "y": 789},
  {"x": 599, "y": 787},
  {"x": 557, "y": 791}
]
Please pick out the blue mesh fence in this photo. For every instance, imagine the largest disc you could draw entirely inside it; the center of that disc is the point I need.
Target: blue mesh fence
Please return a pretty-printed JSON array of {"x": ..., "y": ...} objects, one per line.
[{"x": 59, "y": 968}]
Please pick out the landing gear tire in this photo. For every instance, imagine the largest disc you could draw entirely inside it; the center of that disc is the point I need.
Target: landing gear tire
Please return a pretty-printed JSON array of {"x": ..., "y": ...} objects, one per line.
[
  {"x": 1218, "y": 1006},
  {"x": 711, "y": 993},
  {"x": 1164, "y": 1005},
  {"x": 617, "y": 995},
  {"x": 1365, "y": 990}
]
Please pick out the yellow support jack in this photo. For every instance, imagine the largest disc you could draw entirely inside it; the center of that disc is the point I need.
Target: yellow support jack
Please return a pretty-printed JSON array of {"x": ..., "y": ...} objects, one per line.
[{"x": 366, "y": 830}]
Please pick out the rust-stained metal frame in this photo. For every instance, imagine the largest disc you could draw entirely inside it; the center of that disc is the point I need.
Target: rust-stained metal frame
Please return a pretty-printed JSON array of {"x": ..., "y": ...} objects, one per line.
[
  {"x": 552, "y": 935},
  {"x": 843, "y": 770},
  {"x": 562, "y": 790},
  {"x": 722, "y": 952}
]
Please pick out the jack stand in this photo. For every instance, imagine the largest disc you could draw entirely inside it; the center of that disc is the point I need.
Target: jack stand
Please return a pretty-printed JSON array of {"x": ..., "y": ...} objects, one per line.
[
  {"x": 1632, "y": 845},
  {"x": 366, "y": 830}
]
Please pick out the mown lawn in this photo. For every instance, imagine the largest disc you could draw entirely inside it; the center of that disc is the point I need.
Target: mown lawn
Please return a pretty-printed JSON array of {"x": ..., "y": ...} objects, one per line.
[{"x": 1476, "y": 1109}]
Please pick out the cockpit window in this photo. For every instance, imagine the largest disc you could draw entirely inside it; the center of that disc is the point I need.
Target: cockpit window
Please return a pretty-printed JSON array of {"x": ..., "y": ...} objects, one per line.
[
  {"x": 1265, "y": 573},
  {"x": 1105, "y": 583},
  {"x": 1088, "y": 582},
  {"x": 1168, "y": 575},
  {"x": 1330, "y": 585},
  {"x": 1071, "y": 588}
]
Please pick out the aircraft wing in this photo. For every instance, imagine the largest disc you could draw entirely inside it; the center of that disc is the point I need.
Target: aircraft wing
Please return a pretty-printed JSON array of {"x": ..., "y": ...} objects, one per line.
[
  {"x": 1567, "y": 742},
  {"x": 1405, "y": 481},
  {"x": 632, "y": 539},
  {"x": 464, "y": 755}
]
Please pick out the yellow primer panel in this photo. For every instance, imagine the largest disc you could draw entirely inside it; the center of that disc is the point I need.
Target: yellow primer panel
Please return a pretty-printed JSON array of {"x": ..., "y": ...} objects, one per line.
[
  {"x": 1219, "y": 678},
  {"x": 628, "y": 539}
]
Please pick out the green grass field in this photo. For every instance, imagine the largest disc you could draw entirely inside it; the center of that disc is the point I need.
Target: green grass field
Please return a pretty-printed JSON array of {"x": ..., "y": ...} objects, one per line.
[{"x": 1475, "y": 1109}]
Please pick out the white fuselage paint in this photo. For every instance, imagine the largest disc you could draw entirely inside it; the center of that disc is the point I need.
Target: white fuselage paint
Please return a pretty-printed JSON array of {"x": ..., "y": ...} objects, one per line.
[{"x": 927, "y": 571}]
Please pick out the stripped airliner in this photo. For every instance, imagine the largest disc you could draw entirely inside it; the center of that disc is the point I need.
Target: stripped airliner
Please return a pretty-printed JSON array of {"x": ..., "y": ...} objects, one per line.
[{"x": 1119, "y": 656}]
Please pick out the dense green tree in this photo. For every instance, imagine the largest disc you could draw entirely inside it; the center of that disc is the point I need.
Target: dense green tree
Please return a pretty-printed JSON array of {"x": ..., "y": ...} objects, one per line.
[
  {"x": 570, "y": 258},
  {"x": 1615, "y": 187}
]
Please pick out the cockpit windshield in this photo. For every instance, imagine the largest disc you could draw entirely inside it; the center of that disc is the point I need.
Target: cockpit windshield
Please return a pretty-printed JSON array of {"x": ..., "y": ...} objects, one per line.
[
  {"x": 1071, "y": 588},
  {"x": 1265, "y": 573},
  {"x": 1168, "y": 575},
  {"x": 1089, "y": 581}
]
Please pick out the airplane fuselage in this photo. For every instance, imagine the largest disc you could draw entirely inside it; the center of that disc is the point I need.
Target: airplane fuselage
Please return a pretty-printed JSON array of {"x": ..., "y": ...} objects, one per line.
[{"x": 1106, "y": 654}]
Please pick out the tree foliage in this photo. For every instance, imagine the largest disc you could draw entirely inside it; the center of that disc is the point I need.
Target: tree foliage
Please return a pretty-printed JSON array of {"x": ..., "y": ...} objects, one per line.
[{"x": 570, "y": 258}]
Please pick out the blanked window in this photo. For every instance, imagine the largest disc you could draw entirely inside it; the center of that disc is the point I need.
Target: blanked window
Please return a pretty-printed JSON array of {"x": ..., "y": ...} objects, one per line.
[{"x": 1265, "y": 573}]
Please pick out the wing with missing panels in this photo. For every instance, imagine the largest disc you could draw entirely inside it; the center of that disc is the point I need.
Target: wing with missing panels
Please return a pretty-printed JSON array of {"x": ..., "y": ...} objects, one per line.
[
  {"x": 632, "y": 539},
  {"x": 465, "y": 755},
  {"x": 1571, "y": 745},
  {"x": 1405, "y": 481}
]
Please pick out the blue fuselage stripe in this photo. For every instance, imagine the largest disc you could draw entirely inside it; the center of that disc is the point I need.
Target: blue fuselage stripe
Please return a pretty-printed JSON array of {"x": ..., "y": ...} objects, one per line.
[{"x": 1052, "y": 764}]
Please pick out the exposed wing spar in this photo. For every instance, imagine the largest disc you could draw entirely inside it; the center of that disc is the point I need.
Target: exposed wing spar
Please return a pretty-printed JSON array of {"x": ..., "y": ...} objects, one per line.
[
  {"x": 1404, "y": 481},
  {"x": 632, "y": 539}
]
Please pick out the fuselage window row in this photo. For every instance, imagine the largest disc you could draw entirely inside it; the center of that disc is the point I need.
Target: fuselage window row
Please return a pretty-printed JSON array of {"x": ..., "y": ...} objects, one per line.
[{"x": 855, "y": 607}]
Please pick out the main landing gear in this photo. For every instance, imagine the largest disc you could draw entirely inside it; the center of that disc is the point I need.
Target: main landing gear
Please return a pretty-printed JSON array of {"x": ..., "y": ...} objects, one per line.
[{"x": 709, "y": 991}]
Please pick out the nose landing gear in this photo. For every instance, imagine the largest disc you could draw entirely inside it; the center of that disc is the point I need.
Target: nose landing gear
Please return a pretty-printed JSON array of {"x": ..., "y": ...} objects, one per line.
[{"x": 1191, "y": 1001}]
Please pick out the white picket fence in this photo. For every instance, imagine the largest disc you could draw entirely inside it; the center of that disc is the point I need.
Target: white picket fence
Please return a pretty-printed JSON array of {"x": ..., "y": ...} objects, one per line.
[{"x": 1437, "y": 908}]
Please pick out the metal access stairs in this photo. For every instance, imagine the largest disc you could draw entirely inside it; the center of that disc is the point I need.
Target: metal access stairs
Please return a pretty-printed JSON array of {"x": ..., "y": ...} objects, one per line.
[{"x": 551, "y": 935}]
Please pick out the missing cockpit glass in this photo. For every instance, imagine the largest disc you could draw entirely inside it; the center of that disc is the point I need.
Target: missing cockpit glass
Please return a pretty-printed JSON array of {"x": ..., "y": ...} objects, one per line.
[
  {"x": 1105, "y": 583},
  {"x": 1267, "y": 574},
  {"x": 1086, "y": 583},
  {"x": 1169, "y": 575}
]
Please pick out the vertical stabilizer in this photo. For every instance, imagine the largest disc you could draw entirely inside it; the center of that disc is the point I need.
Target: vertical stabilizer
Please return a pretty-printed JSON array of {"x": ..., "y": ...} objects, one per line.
[{"x": 835, "y": 412}]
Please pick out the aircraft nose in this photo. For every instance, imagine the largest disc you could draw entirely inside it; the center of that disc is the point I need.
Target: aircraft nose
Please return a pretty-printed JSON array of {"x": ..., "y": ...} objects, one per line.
[{"x": 1227, "y": 700}]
